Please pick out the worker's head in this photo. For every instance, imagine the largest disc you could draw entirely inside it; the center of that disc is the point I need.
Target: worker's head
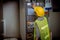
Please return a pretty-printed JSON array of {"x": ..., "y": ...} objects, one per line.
[{"x": 39, "y": 11}]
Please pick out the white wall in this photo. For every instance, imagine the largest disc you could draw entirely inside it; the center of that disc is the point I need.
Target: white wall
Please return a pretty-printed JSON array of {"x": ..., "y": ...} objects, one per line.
[{"x": 10, "y": 16}]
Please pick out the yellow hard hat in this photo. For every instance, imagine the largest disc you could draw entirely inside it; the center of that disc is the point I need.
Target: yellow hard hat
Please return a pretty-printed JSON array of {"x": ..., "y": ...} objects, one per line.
[{"x": 39, "y": 11}]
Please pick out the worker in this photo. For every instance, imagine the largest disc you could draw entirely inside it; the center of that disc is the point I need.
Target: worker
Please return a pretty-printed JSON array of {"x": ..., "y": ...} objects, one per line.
[{"x": 41, "y": 28}]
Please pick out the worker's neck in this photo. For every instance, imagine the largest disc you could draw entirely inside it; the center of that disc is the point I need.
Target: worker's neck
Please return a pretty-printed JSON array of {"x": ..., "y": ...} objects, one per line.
[{"x": 40, "y": 18}]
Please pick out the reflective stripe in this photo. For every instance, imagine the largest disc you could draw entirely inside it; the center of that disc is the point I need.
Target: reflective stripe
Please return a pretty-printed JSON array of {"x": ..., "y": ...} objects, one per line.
[
  {"x": 46, "y": 36},
  {"x": 44, "y": 27}
]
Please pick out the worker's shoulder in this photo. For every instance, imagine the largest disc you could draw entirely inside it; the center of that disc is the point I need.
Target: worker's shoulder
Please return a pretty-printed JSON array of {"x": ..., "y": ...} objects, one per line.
[
  {"x": 45, "y": 18},
  {"x": 42, "y": 20}
]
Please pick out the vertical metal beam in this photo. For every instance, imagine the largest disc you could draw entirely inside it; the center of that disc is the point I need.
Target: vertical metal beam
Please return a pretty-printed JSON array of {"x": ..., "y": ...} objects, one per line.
[{"x": 22, "y": 20}]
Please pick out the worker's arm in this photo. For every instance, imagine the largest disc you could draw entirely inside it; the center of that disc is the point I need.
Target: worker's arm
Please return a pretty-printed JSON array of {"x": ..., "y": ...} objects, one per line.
[
  {"x": 50, "y": 34},
  {"x": 49, "y": 29},
  {"x": 36, "y": 32}
]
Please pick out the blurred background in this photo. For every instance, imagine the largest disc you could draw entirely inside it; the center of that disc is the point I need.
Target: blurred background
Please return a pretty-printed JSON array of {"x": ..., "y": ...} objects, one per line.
[{"x": 17, "y": 18}]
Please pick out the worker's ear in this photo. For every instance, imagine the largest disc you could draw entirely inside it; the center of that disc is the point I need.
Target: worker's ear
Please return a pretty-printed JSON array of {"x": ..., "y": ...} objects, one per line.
[{"x": 36, "y": 15}]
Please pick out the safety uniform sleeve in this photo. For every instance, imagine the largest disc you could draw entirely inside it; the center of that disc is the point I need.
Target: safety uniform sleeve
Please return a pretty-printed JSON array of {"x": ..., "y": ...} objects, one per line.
[
  {"x": 34, "y": 32},
  {"x": 37, "y": 32},
  {"x": 47, "y": 23},
  {"x": 49, "y": 30}
]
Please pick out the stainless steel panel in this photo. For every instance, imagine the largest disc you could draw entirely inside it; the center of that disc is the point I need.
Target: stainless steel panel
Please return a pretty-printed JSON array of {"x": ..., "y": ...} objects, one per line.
[{"x": 10, "y": 17}]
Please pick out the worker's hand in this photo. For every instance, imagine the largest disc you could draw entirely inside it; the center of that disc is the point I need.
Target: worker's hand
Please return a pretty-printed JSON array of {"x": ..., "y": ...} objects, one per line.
[
  {"x": 51, "y": 35},
  {"x": 33, "y": 5},
  {"x": 37, "y": 38}
]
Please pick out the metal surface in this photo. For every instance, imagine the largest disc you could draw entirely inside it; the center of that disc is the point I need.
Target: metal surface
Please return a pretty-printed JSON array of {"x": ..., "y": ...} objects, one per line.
[
  {"x": 22, "y": 20},
  {"x": 10, "y": 16}
]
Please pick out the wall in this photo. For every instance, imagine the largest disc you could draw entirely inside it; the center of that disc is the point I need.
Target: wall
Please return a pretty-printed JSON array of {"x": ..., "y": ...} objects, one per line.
[
  {"x": 54, "y": 23},
  {"x": 10, "y": 16},
  {"x": 1, "y": 18}
]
